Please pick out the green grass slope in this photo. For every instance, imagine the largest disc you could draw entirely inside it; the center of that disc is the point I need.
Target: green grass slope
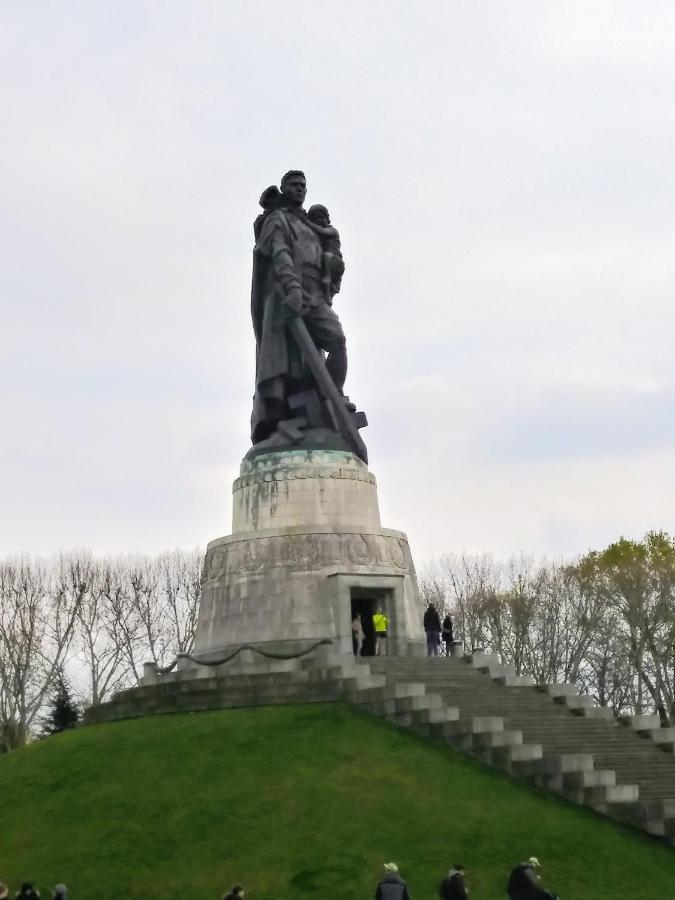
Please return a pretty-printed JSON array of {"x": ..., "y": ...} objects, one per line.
[{"x": 294, "y": 802}]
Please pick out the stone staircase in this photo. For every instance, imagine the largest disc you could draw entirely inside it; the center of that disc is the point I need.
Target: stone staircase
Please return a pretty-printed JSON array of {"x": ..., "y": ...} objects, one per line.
[
  {"x": 198, "y": 688},
  {"x": 552, "y": 737}
]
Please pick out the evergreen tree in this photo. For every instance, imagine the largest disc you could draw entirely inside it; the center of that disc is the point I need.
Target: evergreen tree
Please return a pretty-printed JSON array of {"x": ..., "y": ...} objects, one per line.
[{"x": 63, "y": 711}]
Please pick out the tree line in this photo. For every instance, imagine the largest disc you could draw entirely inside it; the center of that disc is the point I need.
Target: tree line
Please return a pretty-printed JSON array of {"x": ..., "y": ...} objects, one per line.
[
  {"x": 605, "y": 621},
  {"x": 98, "y": 620}
]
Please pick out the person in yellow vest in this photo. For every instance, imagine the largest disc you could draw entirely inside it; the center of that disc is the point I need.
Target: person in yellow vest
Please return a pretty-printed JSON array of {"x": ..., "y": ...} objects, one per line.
[{"x": 380, "y": 623}]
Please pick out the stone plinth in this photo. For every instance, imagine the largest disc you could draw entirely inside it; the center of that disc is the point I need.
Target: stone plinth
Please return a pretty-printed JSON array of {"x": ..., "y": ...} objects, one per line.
[
  {"x": 304, "y": 488},
  {"x": 306, "y": 534}
]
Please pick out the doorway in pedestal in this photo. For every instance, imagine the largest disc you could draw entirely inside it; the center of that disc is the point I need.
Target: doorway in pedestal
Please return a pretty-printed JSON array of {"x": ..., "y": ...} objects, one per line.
[{"x": 366, "y": 602}]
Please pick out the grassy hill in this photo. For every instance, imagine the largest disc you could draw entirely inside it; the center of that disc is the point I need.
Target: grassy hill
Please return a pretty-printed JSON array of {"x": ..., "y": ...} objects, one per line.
[{"x": 294, "y": 802}]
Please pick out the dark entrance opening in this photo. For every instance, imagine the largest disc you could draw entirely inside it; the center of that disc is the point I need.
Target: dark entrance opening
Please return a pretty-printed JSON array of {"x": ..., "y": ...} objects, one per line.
[{"x": 365, "y": 601}]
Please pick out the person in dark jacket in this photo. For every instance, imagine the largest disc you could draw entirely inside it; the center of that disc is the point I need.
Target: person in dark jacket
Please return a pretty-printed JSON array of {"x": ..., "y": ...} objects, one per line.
[
  {"x": 447, "y": 634},
  {"x": 523, "y": 882},
  {"x": 453, "y": 886},
  {"x": 432, "y": 626},
  {"x": 27, "y": 892},
  {"x": 60, "y": 892},
  {"x": 392, "y": 886},
  {"x": 237, "y": 893}
]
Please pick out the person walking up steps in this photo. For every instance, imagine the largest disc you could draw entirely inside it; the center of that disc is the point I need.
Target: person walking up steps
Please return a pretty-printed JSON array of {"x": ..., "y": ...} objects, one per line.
[{"x": 380, "y": 624}]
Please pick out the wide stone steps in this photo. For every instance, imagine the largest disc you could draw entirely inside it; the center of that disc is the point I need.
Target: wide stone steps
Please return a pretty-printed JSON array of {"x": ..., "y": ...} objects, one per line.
[
  {"x": 206, "y": 690},
  {"x": 552, "y": 736}
]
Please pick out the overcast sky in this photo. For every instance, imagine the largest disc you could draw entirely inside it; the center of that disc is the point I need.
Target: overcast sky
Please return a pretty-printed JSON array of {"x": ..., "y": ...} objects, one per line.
[{"x": 503, "y": 178}]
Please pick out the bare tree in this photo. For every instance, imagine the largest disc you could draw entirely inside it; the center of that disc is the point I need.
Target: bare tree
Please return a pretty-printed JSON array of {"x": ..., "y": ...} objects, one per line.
[
  {"x": 100, "y": 618},
  {"x": 37, "y": 620},
  {"x": 164, "y": 598},
  {"x": 101, "y": 633},
  {"x": 179, "y": 579}
]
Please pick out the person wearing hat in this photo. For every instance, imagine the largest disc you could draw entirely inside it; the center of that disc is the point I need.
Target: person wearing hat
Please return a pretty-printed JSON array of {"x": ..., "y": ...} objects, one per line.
[
  {"x": 522, "y": 883},
  {"x": 60, "y": 892},
  {"x": 453, "y": 887},
  {"x": 392, "y": 886}
]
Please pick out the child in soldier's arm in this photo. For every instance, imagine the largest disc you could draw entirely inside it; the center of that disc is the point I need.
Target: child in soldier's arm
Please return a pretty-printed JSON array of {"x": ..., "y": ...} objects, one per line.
[{"x": 333, "y": 264}]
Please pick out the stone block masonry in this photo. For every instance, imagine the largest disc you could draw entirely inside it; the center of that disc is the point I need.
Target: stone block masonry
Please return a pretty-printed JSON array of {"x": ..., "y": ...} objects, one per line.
[{"x": 306, "y": 531}]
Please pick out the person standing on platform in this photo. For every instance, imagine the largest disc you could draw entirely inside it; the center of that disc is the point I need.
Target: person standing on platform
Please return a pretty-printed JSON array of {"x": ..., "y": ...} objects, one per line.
[
  {"x": 380, "y": 625},
  {"x": 432, "y": 626},
  {"x": 447, "y": 634},
  {"x": 357, "y": 634}
]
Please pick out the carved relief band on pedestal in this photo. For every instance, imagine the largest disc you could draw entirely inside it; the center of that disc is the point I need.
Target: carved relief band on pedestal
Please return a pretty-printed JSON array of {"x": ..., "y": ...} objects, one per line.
[{"x": 301, "y": 552}]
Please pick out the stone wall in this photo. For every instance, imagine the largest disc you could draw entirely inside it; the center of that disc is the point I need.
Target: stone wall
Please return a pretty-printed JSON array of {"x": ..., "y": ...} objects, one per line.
[{"x": 304, "y": 488}]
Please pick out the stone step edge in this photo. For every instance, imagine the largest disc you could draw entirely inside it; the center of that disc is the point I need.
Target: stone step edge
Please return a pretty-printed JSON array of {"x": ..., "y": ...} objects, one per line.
[
  {"x": 568, "y": 694},
  {"x": 595, "y": 789}
]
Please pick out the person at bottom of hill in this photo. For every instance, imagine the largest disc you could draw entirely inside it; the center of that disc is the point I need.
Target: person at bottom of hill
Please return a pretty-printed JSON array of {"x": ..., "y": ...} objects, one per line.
[
  {"x": 28, "y": 892},
  {"x": 4, "y": 891},
  {"x": 60, "y": 892},
  {"x": 432, "y": 626},
  {"x": 523, "y": 882},
  {"x": 392, "y": 886},
  {"x": 453, "y": 886},
  {"x": 447, "y": 634},
  {"x": 237, "y": 893},
  {"x": 380, "y": 625},
  {"x": 357, "y": 634}
]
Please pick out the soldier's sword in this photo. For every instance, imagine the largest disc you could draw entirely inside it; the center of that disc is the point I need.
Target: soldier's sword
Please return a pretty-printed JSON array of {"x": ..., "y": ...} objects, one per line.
[{"x": 326, "y": 385}]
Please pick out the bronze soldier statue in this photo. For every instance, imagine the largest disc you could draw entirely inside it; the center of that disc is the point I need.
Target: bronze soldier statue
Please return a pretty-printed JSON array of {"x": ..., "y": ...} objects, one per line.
[{"x": 297, "y": 270}]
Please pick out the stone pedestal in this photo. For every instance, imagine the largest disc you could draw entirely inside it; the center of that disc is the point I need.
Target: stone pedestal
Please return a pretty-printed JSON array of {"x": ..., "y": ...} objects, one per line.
[{"x": 306, "y": 538}]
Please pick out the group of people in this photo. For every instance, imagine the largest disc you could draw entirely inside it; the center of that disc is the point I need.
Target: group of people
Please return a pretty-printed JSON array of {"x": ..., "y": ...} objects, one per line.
[
  {"x": 437, "y": 631},
  {"x": 29, "y": 892},
  {"x": 60, "y": 892},
  {"x": 380, "y": 626},
  {"x": 523, "y": 884}
]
